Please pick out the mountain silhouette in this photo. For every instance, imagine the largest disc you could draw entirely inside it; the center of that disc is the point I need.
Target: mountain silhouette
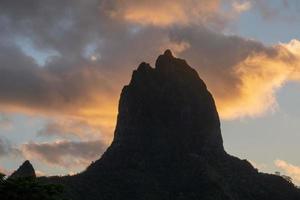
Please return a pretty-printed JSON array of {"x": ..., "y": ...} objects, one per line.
[
  {"x": 168, "y": 145},
  {"x": 26, "y": 170}
]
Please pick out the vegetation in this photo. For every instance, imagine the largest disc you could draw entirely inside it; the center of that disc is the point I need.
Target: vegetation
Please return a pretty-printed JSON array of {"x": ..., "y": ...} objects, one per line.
[{"x": 28, "y": 189}]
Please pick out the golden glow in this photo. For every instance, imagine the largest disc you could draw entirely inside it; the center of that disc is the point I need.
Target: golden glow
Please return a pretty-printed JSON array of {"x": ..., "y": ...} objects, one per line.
[
  {"x": 156, "y": 15},
  {"x": 261, "y": 76},
  {"x": 291, "y": 170},
  {"x": 165, "y": 13},
  {"x": 99, "y": 116}
]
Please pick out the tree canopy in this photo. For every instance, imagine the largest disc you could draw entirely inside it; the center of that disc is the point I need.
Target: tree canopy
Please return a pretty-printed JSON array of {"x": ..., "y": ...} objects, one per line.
[{"x": 28, "y": 189}]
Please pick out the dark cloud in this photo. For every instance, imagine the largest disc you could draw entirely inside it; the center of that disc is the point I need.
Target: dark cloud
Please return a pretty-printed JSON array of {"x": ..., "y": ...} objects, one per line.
[
  {"x": 24, "y": 83},
  {"x": 65, "y": 153}
]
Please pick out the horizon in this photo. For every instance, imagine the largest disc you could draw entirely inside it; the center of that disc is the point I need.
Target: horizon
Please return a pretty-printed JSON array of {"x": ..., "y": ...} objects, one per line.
[{"x": 63, "y": 66}]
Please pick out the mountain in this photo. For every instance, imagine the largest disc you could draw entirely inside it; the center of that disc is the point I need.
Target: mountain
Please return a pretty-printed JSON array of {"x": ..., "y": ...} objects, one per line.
[
  {"x": 168, "y": 145},
  {"x": 24, "y": 171}
]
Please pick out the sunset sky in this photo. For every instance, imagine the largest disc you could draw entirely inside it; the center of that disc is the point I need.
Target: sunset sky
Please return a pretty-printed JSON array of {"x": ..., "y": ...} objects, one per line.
[{"x": 64, "y": 63}]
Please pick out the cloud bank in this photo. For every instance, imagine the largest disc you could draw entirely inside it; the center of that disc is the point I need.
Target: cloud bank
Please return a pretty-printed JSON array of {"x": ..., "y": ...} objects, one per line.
[
  {"x": 98, "y": 43},
  {"x": 67, "y": 154},
  {"x": 67, "y": 60}
]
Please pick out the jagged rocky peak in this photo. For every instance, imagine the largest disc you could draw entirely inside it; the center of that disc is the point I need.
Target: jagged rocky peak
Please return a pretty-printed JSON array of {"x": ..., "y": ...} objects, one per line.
[
  {"x": 167, "y": 63},
  {"x": 168, "y": 108},
  {"x": 25, "y": 170}
]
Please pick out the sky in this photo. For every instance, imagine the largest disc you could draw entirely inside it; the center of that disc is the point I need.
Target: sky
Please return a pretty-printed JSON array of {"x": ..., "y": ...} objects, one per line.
[{"x": 64, "y": 63}]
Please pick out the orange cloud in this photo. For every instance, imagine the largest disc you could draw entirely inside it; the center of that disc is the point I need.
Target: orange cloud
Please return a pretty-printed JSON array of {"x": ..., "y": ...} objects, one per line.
[
  {"x": 290, "y": 169},
  {"x": 165, "y": 13},
  {"x": 261, "y": 76},
  {"x": 92, "y": 119}
]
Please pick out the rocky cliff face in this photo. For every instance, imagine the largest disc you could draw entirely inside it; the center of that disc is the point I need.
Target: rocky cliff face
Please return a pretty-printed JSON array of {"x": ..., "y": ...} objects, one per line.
[
  {"x": 168, "y": 145},
  {"x": 167, "y": 109},
  {"x": 24, "y": 171}
]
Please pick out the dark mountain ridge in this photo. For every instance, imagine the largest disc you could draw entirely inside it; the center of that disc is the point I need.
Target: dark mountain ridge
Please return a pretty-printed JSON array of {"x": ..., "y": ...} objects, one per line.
[{"x": 168, "y": 145}]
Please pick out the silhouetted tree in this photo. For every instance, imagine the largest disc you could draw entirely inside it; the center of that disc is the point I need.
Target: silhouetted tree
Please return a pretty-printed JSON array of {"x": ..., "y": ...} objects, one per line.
[{"x": 28, "y": 189}]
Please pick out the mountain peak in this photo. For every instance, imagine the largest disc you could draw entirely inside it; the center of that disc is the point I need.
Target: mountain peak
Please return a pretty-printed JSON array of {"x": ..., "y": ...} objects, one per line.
[
  {"x": 168, "y": 107},
  {"x": 25, "y": 170},
  {"x": 168, "y": 53}
]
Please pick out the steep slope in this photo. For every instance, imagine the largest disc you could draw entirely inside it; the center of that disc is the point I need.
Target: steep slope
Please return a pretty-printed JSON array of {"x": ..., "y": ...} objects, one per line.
[{"x": 168, "y": 145}]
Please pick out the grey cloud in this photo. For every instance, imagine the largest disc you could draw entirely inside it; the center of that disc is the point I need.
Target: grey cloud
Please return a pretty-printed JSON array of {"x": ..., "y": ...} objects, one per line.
[
  {"x": 69, "y": 79},
  {"x": 3, "y": 148},
  {"x": 284, "y": 10},
  {"x": 5, "y": 122},
  {"x": 69, "y": 129},
  {"x": 65, "y": 153},
  {"x": 23, "y": 83},
  {"x": 6, "y": 148}
]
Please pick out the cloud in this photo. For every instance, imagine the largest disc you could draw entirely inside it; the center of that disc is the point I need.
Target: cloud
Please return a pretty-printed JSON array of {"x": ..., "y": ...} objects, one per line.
[
  {"x": 5, "y": 122},
  {"x": 3, "y": 147},
  {"x": 259, "y": 166},
  {"x": 40, "y": 173},
  {"x": 6, "y": 149},
  {"x": 69, "y": 84},
  {"x": 240, "y": 7},
  {"x": 283, "y": 10},
  {"x": 67, "y": 154},
  {"x": 251, "y": 71},
  {"x": 260, "y": 77},
  {"x": 289, "y": 169},
  {"x": 68, "y": 128},
  {"x": 73, "y": 91},
  {"x": 166, "y": 13}
]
